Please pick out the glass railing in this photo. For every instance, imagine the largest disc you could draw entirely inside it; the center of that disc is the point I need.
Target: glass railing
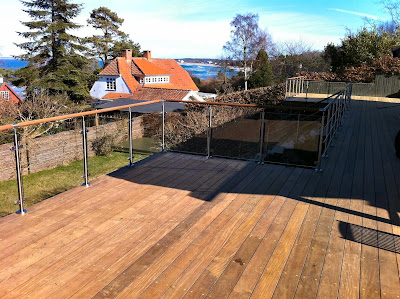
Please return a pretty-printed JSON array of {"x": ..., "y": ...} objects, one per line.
[
  {"x": 59, "y": 153},
  {"x": 236, "y": 132},
  {"x": 187, "y": 131},
  {"x": 292, "y": 138},
  {"x": 243, "y": 132}
]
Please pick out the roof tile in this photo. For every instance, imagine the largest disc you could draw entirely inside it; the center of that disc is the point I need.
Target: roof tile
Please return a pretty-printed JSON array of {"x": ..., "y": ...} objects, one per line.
[
  {"x": 111, "y": 69},
  {"x": 125, "y": 71},
  {"x": 180, "y": 79},
  {"x": 149, "y": 68}
]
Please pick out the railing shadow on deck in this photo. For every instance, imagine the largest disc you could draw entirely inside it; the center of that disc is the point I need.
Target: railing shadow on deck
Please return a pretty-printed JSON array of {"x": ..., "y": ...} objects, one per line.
[
  {"x": 385, "y": 202},
  {"x": 370, "y": 237}
]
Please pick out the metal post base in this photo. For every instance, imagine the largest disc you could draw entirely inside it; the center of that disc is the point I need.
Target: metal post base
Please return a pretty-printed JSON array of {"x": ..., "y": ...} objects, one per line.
[
  {"x": 260, "y": 163},
  {"x": 23, "y": 211},
  {"x": 87, "y": 185},
  {"x": 209, "y": 157}
]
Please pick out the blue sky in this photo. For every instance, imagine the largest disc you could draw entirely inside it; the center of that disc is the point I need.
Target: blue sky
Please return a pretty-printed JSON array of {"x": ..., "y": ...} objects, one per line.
[{"x": 199, "y": 28}]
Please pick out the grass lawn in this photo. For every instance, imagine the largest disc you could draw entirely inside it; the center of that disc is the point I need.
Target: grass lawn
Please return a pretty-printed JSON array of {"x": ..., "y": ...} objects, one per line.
[{"x": 44, "y": 184}]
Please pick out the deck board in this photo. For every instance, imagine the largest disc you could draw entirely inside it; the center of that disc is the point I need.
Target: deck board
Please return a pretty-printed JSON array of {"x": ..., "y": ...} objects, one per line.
[{"x": 178, "y": 225}]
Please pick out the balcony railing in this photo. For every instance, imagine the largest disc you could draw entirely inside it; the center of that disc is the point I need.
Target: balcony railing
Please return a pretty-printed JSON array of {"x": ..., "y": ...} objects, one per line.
[{"x": 298, "y": 136}]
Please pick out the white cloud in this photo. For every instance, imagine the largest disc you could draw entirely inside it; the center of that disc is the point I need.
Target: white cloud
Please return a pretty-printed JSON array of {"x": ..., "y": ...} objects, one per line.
[
  {"x": 179, "y": 29},
  {"x": 360, "y": 14}
]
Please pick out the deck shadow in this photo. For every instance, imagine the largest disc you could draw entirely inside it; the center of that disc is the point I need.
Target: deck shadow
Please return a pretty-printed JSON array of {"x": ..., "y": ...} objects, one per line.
[{"x": 371, "y": 237}]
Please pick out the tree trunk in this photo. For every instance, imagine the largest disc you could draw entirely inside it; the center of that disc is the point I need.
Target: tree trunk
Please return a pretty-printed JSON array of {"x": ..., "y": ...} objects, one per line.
[{"x": 245, "y": 67}]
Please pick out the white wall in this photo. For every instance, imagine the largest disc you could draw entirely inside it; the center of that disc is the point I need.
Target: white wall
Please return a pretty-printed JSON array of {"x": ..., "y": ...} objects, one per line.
[{"x": 99, "y": 88}]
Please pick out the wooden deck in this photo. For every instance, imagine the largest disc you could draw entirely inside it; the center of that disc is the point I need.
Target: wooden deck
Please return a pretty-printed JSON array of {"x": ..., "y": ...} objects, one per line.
[{"x": 180, "y": 225}]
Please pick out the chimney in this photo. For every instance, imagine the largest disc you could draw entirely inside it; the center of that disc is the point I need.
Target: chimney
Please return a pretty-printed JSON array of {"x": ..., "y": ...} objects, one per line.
[
  {"x": 127, "y": 54},
  {"x": 147, "y": 55},
  {"x": 1, "y": 80}
]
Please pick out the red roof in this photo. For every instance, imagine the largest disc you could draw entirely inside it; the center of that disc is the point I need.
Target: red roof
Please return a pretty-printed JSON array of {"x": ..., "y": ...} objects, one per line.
[
  {"x": 149, "y": 68},
  {"x": 179, "y": 78},
  {"x": 116, "y": 95},
  {"x": 13, "y": 96},
  {"x": 111, "y": 69},
  {"x": 125, "y": 71},
  {"x": 150, "y": 94}
]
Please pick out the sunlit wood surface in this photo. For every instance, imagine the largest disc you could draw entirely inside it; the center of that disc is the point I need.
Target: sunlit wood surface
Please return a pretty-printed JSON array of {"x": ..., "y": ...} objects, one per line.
[{"x": 183, "y": 226}]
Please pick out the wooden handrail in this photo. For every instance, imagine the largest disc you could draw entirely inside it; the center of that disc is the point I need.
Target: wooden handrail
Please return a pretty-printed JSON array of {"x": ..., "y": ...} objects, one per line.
[{"x": 73, "y": 115}]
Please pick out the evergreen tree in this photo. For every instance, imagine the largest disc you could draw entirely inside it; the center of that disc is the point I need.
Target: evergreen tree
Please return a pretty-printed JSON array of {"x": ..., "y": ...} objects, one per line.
[
  {"x": 124, "y": 44},
  {"x": 109, "y": 23},
  {"x": 262, "y": 74},
  {"x": 55, "y": 62}
]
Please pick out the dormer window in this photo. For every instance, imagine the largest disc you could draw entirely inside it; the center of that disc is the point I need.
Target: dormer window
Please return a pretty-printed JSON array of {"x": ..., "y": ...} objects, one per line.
[
  {"x": 5, "y": 95},
  {"x": 111, "y": 84},
  {"x": 155, "y": 80}
]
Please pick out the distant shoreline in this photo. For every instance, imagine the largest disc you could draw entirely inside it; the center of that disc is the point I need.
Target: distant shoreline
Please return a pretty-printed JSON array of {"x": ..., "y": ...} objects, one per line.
[{"x": 209, "y": 64}]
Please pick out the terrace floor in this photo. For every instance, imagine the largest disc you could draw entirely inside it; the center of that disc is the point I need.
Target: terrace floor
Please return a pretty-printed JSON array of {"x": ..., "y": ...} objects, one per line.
[{"x": 179, "y": 225}]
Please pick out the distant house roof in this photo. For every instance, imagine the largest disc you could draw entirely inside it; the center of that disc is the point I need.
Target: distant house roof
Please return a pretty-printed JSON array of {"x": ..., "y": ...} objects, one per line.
[
  {"x": 126, "y": 73},
  {"x": 151, "y": 94},
  {"x": 156, "y": 107},
  {"x": 147, "y": 66},
  {"x": 12, "y": 94}
]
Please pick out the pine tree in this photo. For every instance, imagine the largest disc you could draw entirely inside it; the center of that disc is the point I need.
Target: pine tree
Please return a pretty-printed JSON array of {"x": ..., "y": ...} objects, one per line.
[
  {"x": 52, "y": 51},
  {"x": 112, "y": 39},
  {"x": 262, "y": 74},
  {"x": 123, "y": 44},
  {"x": 108, "y": 22}
]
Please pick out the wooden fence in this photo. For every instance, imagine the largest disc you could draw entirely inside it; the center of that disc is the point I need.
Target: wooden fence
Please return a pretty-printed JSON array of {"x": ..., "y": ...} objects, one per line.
[{"x": 383, "y": 86}]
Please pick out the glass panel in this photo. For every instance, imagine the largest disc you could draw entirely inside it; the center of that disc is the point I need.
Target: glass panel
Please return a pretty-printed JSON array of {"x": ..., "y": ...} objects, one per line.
[
  {"x": 236, "y": 132},
  {"x": 8, "y": 183},
  {"x": 186, "y": 131},
  {"x": 50, "y": 157},
  {"x": 149, "y": 138},
  {"x": 292, "y": 138}
]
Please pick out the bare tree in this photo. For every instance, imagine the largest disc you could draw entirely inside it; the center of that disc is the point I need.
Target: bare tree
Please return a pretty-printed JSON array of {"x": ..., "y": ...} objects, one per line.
[
  {"x": 393, "y": 9},
  {"x": 294, "y": 47},
  {"x": 247, "y": 39},
  {"x": 39, "y": 106}
]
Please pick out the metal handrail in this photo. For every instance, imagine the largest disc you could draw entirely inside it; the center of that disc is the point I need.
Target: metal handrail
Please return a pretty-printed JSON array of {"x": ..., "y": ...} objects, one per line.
[{"x": 332, "y": 115}]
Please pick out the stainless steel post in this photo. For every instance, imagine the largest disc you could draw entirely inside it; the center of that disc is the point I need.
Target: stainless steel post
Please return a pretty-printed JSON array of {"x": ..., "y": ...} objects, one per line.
[
  {"x": 286, "y": 89},
  {"x": 321, "y": 140},
  {"x": 16, "y": 148},
  {"x": 262, "y": 132},
  {"x": 209, "y": 136},
  {"x": 163, "y": 127},
  {"x": 85, "y": 154},
  {"x": 267, "y": 139},
  {"x": 307, "y": 89},
  {"x": 130, "y": 129}
]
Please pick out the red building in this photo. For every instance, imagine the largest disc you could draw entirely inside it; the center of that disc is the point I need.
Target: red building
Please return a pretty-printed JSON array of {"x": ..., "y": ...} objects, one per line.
[{"x": 7, "y": 93}]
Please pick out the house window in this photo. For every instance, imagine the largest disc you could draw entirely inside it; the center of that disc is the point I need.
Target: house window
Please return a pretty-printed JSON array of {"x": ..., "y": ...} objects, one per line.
[
  {"x": 111, "y": 84},
  {"x": 5, "y": 95}
]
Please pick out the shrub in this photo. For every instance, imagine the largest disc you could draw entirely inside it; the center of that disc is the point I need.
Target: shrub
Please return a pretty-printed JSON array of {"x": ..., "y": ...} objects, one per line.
[{"x": 102, "y": 145}]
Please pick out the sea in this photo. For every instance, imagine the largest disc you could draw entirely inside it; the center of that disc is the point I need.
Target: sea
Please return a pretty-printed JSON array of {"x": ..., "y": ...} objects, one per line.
[
  {"x": 202, "y": 71},
  {"x": 206, "y": 71}
]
